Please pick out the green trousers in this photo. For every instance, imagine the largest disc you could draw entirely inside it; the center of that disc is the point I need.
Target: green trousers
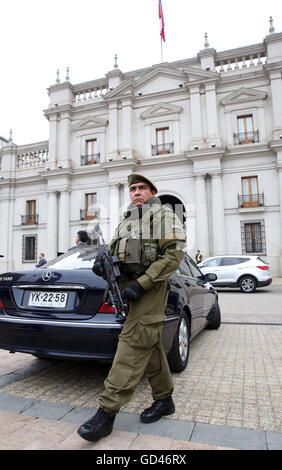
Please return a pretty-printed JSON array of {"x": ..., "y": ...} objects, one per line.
[{"x": 139, "y": 351}]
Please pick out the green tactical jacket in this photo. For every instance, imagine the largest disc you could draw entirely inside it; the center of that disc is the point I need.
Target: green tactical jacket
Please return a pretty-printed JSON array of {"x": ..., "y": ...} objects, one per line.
[{"x": 148, "y": 243}]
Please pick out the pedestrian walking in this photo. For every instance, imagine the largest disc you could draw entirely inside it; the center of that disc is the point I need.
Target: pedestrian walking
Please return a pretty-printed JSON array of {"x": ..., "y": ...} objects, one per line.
[
  {"x": 198, "y": 257},
  {"x": 148, "y": 243}
]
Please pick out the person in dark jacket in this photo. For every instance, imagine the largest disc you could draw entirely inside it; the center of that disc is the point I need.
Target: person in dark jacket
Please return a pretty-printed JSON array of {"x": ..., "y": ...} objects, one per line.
[
  {"x": 82, "y": 239},
  {"x": 41, "y": 261}
]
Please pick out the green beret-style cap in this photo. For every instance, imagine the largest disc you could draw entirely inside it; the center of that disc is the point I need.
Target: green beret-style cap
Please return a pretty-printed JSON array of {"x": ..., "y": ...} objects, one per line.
[{"x": 138, "y": 178}]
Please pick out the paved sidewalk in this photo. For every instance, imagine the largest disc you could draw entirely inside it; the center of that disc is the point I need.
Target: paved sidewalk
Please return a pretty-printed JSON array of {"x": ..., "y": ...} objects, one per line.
[
  {"x": 22, "y": 432},
  {"x": 228, "y": 397}
]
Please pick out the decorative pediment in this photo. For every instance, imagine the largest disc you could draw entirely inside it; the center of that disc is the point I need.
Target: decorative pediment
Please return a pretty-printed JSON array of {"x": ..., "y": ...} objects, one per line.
[
  {"x": 157, "y": 72},
  {"x": 243, "y": 95},
  {"x": 161, "y": 109},
  {"x": 160, "y": 78},
  {"x": 125, "y": 88},
  {"x": 90, "y": 123},
  {"x": 194, "y": 74}
]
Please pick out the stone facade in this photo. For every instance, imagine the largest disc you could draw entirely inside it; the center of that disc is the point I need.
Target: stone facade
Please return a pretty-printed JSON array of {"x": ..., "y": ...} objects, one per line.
[{"x": 207, "y": 130}]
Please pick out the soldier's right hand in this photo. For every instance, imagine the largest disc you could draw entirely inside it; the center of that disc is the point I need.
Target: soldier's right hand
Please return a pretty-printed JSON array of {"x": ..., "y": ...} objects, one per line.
[{"x": 97, "y": 268}]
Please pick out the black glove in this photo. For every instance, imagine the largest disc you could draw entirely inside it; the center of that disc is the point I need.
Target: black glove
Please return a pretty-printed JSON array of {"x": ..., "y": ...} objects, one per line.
[
  {"x": 132, "y": 292},
  {"x": 97, "y": 267}
]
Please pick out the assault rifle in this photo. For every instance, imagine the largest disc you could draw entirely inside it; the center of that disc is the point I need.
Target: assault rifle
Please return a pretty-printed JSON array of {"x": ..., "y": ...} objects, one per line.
[{"x": 111, "y": 274}]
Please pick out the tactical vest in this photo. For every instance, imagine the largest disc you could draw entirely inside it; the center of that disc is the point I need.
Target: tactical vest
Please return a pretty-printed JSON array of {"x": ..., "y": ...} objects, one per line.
[{"x": 143, "y": 235}]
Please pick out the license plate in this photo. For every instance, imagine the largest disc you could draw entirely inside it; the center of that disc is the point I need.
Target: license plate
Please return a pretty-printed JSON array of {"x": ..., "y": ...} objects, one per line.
[{"x": 48, "y": 299}]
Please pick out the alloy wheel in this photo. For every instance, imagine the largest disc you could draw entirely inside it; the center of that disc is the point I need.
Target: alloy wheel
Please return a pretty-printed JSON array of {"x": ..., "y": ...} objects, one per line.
[
  {"x": 183, "y": 339},
  {"x": 248, "y": 284}
]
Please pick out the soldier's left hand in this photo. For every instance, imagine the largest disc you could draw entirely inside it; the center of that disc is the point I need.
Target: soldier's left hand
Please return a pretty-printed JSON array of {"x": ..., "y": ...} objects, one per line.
[{"x": 132, "y": 292}]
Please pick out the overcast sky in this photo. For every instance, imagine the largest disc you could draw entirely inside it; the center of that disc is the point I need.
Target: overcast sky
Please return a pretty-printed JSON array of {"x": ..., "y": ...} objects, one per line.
[{"x": 38, "y": 37}]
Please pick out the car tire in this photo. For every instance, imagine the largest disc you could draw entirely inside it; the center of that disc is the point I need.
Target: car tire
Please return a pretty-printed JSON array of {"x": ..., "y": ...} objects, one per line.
[
  {"x": 179, "y": 353},
  {"x": 214, "y": 317},
  {"x": 247, "y": 284}
]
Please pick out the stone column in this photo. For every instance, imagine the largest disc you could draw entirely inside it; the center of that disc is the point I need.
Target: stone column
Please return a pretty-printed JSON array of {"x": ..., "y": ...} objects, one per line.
[
  {"x": 276, "y": 93},
  {"x": 52, "y": 224},
  {"x": 196, "y": 119},
  {"x": 126, "y": 148},
  {"x": 218, "y": 225},
  {"x": 113, "y": 130},
  {"x": 52, "y": 141},
  {"x": 280, "y": 200},
  {"x": 212, "y": 119},
  {"x": 126, "y": 196},
  {"x": 114, "y": 208},
  {"x": 64, "y": 140},
  {"x": 64, "y": 216},
  {"x": 202, "y": 229}
]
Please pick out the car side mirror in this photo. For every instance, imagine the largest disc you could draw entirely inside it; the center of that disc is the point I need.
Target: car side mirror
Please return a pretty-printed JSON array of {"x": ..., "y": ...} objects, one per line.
[{"x": 210, "y": 277}]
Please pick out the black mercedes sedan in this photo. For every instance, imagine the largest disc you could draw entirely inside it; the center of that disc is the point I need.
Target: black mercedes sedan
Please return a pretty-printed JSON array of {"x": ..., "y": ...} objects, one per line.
[{"x": 58, "y": 310}]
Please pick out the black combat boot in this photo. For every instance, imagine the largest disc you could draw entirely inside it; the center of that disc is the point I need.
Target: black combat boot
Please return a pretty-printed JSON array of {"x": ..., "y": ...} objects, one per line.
[
  {"x": 158, "y": 409},
  {"x": 100, "y": 425}
]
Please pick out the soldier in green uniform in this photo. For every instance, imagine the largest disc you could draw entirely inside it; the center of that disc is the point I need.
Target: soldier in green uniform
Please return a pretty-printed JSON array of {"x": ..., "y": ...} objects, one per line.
[{"x": 148, "y": 242}]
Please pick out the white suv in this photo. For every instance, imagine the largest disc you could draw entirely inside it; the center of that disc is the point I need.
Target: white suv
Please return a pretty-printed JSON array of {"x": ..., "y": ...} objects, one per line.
[{"x": 246, "y": 272}]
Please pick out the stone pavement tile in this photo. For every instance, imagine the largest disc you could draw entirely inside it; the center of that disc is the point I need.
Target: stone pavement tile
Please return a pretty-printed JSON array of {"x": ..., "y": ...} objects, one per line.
[
  {"x": 147, "y": 442},
  {"x": 243, "y": 439},
  {"x": 14, "y": 362},
  {"x": 274, "y": 440},
  {"x": 48, "y": 410},
  {"x": 117, "y": 440},
  {"x": 79, "y": 415},
  {"x": 164, "y": 428},
  {"x": 36, "y": 434},
  {"x": 9, "y": 402},
  {"x": 184, "y": 445}
]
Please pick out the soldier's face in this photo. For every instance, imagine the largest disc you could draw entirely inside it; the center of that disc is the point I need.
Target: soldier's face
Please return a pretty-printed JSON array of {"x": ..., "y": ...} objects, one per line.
[{"x": 140, "y": 193}]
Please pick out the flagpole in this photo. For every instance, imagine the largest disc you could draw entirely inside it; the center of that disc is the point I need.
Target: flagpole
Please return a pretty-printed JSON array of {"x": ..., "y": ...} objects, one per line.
[{"x": 162, "y": 34}]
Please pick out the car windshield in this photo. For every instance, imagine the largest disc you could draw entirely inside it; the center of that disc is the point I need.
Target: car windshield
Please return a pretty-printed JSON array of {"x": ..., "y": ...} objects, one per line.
[{"x": 78, "y": 258}]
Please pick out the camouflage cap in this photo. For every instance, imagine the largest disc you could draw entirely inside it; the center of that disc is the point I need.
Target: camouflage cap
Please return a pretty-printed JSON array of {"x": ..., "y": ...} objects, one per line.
[{"x": 138, "y": 178}]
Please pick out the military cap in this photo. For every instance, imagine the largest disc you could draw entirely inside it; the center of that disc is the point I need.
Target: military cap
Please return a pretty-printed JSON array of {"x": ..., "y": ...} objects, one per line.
[{"x": 138, "y": 178}]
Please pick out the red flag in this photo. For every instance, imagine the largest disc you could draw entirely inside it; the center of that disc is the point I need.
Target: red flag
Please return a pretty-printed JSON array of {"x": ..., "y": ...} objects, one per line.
[{"x": 161, "y": 17}]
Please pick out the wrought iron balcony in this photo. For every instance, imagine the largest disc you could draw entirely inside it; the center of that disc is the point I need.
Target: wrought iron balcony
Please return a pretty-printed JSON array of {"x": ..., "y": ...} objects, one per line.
[
  {"x": 162, "y": 149},
  {"x": 91, "y": 159},
  {"x": 251, "y": 137},
  {"x": 250, "y": 200},
  {"x": 29, "y": 219},
  {"x": 89, "y": 214}
]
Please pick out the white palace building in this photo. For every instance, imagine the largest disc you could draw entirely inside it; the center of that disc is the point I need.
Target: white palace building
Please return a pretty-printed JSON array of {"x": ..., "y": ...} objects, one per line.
[{"x": 207, "y": 130}]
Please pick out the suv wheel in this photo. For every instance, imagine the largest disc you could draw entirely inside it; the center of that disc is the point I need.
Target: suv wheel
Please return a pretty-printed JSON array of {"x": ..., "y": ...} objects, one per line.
[
  {"x": 247, "y": 284},
  {"x": 179, "y": 353}
]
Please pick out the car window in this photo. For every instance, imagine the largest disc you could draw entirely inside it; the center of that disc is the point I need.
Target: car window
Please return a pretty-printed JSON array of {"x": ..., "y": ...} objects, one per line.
[
  {"x": 260, "y": 259},
  {"x": 193, "y": 267},
  {"x": 212, "y": 262},
  {"x": 229, "y": 261},
  {"x": 184, "y": 267},
  {"x": 233, "y": 260},
  {"x": 79, "y": 258}
]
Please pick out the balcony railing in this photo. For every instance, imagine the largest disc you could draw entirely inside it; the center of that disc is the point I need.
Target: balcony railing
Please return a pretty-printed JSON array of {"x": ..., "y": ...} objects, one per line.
[
  {"x": 250, "y": 200},
  {"x": 162, "y": 149},
  {"x": 246, "y": 137},
  {"x": 89, "y": 214},
  {"x": 91, "y": 159},
  {"x": 29, "y": 219}
]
